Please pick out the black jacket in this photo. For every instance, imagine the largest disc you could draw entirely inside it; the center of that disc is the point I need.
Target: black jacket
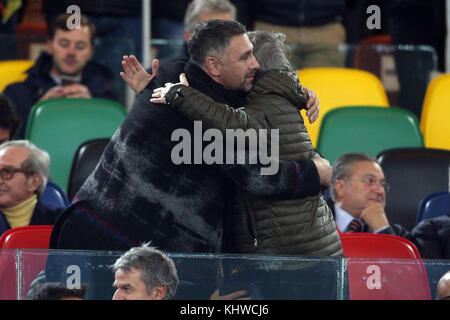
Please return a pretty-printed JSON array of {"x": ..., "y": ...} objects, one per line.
[
  {"x": 290, "y": 12},
  {"x": 432, "y": 237},
  {"x": 137, "y": 193},
  {"x": 42, "y": 215},
  {"x": 25, "y": 94}
]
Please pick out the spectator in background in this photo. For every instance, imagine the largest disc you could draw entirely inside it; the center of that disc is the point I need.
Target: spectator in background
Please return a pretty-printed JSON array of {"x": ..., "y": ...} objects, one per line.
[
  {"x": 9, "y": 119},
  {"x": 112, "y": 18},
  {"x": 443, "y": 287},
  {"x": 197, "y": 11},
  {"x": 417, "y": 22},
  {"x": 24, "y": 172},
  {"x": 56, "y": 291},
  {"x": 314, "y": 28},
  {"x": 358, "y": 196},
  {"x": 145, "y": 273},
  {"x": 65, "y": 70},
  {"x": 201, "y": 10}
]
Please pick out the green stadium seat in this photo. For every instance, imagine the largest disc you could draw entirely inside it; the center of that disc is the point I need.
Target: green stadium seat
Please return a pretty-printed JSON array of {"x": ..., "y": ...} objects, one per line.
[
  {"x": 367, "y": 129},
  {"x": 60, "y": 125}
]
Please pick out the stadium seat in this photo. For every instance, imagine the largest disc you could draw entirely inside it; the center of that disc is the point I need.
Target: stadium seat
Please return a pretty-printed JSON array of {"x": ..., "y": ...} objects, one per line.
[
  {"x": 336, "y": 87},
  {"x": 54, "y": 197},
  {"x": 31, "y": 263},
  {"x": 412, "y": 173},
  {"x": 28, "y": 237},
  {"x": 433, "y": 205},
  {"x": 435, "y": 117},
  {"x": 13, "y": 71},
  {"x": 59, "y": 126},
  {"x": 384, "y": 267},
  {"x": 367, "y": 129},
  {"x": 371, "y": 245},
  {"x": 84, "y": 162}
]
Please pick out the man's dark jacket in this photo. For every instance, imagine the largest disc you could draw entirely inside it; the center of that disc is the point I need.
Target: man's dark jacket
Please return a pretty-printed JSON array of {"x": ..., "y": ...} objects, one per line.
[
  {"x": 42, "y": 215},
  {"x": 25, "y": 94},
  {"x": 432, "y": 237},
  {"x": 138, "y": 194}
]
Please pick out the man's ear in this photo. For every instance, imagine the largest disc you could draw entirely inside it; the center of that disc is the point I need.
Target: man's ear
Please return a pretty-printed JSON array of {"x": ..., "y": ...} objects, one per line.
[
  {"x": 214, "y": 66},
  {"x": 339, "y": 186},
  {"x": 159, "y": 292},
  {"x": 34, "y": 182}
]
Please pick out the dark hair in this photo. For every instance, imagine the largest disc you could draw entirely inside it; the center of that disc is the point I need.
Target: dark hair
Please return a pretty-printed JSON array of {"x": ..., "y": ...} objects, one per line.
[
  {"x": 212, "y": 37},
  {"x": 56, "y": 291},
  {"x": 9, "y": 118},
  {"x": 61, "y": 23}
]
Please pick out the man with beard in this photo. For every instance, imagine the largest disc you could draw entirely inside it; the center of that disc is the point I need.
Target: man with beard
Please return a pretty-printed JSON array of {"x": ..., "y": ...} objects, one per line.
[{"x": 65, "y": 70}]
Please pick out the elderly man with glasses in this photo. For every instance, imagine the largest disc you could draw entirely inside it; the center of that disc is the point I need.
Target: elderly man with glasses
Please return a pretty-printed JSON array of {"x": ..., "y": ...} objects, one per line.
[
  {"x": 358, "y": 196},
  {"x": 24, "y": 171}
]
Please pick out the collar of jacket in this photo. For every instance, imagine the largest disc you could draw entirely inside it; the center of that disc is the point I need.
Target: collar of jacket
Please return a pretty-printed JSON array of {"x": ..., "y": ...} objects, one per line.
[
  {"x": 200, "y": 80},
  {"x": 39, "y": 73}
]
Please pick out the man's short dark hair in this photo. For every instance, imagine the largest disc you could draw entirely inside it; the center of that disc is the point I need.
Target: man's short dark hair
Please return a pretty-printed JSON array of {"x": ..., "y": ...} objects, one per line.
[
  {"x": 212, "y": 37},
  {"x": 56, "y": 291},
  {"x": 9, "y": 118},
  {"x": 61, "y": 23}
]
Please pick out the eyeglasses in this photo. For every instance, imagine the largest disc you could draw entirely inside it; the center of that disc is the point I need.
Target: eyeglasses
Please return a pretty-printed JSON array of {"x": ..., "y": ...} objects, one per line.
[
  {"x": 8, "y": 173},
  {"x": 371, "y": 182}
]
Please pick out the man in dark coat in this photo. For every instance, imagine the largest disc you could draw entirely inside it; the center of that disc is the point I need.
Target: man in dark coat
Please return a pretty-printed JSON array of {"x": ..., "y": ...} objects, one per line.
[
  {"x": 138, "y": 193},
  {"x": 65, "y": 70}
]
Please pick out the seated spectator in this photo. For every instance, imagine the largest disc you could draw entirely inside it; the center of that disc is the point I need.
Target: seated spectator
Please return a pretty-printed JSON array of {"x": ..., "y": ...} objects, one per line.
[
  {"x": 443, "y": 287},
  {"x": 24, "y": 172},
  {"x": 201, "y": 10},
  {"x": 358, "y": 196},
  {"x": 145, "y": 273},
  {"x": 9, "y": 119},
  {"x": 56, "y": 291},
  {"x": 65, "y": 70}
]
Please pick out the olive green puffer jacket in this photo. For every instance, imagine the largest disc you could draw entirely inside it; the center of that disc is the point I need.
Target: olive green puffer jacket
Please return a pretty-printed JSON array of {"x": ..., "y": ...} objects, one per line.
[{"x": 290, "y": 226}]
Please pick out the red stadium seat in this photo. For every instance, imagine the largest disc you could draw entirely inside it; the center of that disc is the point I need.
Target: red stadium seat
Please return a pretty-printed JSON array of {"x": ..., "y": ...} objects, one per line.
[
  {"x": 28, "y": 237},
  {"x": 31, "y": 263},
  {"x": 384, "y": 267}
]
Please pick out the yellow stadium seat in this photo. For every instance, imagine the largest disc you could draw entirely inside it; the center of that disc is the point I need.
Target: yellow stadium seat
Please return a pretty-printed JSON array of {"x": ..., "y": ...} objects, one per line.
[
  {"x": 13, "y": 71},
  {"x": 338, "y": 87},
  {"x": 435, "y": 119}
]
